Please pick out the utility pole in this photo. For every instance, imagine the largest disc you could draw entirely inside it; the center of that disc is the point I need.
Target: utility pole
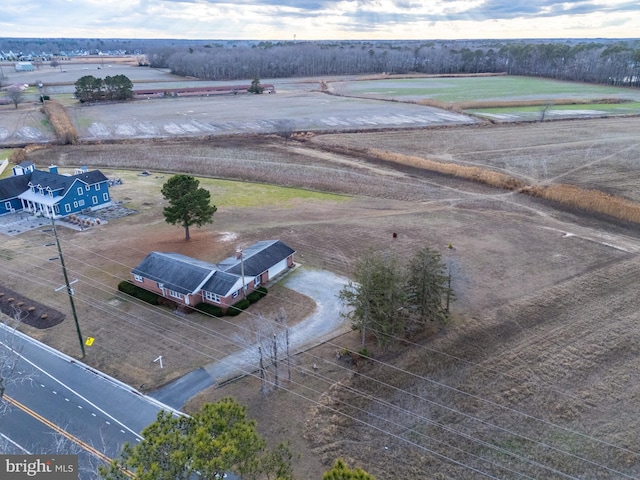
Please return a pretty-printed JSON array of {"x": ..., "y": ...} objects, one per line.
[
  {"x": 67, "y": 285},
  {"x": 288, "y": 355},
  {"x": 275, "y": 357},
  {"x": 262, "y": 375}
]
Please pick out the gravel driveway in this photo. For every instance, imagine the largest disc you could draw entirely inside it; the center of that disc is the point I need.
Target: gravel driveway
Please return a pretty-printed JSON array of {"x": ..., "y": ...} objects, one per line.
[{"x": 325, "y": 323}]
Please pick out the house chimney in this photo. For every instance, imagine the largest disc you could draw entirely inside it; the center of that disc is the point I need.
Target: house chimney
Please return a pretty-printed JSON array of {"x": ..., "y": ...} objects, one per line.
[{"x": 53, "y": 169}]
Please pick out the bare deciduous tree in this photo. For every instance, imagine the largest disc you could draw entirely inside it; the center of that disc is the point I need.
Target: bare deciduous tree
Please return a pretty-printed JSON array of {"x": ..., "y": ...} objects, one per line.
[
  {"x": 10, "y": 355},
  {"x": 284, "y": 128},
  {"x": 270, "y": 338},
  {"x": 15, "y": 94}
]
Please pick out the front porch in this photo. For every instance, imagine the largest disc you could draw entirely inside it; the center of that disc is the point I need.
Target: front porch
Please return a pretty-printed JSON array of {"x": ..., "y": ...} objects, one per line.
[{"x": 40, "y": 205}]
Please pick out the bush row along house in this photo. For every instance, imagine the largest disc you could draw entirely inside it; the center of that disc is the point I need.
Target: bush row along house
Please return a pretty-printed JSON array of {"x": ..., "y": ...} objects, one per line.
[
  {"x": 50, "y": 194},
  {"x": 188, "y": 281}
]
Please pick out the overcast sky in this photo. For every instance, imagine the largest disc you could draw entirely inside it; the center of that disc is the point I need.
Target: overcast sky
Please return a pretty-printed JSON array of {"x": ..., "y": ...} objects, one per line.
[{"x": 320, "y": 19}]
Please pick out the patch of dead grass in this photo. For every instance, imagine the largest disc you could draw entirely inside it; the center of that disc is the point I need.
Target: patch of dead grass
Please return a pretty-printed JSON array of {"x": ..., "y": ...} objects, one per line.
[{"x": 60, "y": 121}]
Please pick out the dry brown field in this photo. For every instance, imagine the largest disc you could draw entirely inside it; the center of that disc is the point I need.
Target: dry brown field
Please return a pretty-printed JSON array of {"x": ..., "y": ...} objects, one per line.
[{"x": 537, "y": 375}]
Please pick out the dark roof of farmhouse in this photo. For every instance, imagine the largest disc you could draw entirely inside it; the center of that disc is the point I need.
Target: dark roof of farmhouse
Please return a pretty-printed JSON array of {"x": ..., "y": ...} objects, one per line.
[
  {"x": 220, "y": 283},
  {"x": 174, "y": 271},
  {"x": 185, "y": 275},
  {"x": 257, "y": 258}
]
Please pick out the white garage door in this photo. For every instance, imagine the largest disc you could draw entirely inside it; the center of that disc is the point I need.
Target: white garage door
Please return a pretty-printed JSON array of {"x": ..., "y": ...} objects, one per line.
[{"x": 277, "y": 268}]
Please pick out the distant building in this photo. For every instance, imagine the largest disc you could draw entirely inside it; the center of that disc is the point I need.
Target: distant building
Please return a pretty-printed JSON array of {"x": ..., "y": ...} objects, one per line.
[{"x": 24, "y": 67}]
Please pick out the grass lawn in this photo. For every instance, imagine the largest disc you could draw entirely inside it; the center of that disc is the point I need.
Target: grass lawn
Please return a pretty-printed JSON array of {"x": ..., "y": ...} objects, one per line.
[
  {"x": 631, "y": 108},
  {"x": 466, "y": 89},
  {"x": 242, "y": 194},
  {"x": 227, "y": 193}
]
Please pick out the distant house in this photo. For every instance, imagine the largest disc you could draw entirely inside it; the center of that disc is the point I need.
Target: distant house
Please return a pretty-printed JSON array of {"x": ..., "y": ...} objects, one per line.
[
  {"x": 51, "y": 194},
  {"x": 188, "y": 281}
]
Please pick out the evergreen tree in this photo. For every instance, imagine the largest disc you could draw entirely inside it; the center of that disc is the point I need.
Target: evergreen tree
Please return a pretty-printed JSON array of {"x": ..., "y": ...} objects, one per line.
[
  {"x": 377, "y": 297},
  {"x": 255, "y": 86},
  {"x": 217, "y": 440},
  {"x": 389, "y": 300},
  {"x": 118, "y": 87},
  {"x": 428, "y": 287},
  {"x": 340, "y": 471},
  {"x": 188, "y": 204},
  {"x": 89, "y": 88}
]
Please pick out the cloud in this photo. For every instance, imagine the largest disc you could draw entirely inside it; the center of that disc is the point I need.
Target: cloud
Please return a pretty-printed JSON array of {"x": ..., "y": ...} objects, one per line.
[
  {"x": 508, "y": 9},
  {"x": 317, "y": 19}
]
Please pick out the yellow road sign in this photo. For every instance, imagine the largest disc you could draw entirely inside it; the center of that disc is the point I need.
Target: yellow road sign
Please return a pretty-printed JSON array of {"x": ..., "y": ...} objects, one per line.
[{"x": 89, "y": 341}]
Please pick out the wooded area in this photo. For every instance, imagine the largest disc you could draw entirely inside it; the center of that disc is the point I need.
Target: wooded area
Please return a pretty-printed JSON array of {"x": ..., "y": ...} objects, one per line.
[
  {"x": 616, "y": 63},
  {"x": 605, "y": 61}
]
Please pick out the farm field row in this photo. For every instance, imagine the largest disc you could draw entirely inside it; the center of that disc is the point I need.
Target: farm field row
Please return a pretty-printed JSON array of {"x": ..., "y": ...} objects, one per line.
[
  {"x": 599, "y": 154},
  {"x": 200, "y": 116},
  {"x": 251, "y": 114},
  {"x": 300, "y": 104},
  {"x": 511, "y": 96}
]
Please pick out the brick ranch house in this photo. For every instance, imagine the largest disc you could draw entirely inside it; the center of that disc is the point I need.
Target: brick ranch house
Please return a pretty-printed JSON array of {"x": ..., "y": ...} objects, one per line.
[
  {"x": 50, "y": 194},
  {"x": 188, "y": 281}
]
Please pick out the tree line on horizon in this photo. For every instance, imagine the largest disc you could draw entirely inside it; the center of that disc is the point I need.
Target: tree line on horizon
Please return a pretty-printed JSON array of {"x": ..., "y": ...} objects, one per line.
[
  {"x": 613, "y": 63},
  {"x": 602, "y": 61}
]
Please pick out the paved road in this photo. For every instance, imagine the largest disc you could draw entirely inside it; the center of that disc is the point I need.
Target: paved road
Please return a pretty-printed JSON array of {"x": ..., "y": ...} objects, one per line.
[
  {"x": 64, "y": 395},
  {"x": 326, "y": 322}
]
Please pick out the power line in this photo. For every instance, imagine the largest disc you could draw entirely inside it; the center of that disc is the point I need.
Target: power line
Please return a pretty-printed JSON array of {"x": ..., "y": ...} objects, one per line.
[
  {"x": 581, "y": 434},
  {"x": 558, "y": 450},
  {"x": 437, "y": 454},
  {"x": 553, "y": 424}
]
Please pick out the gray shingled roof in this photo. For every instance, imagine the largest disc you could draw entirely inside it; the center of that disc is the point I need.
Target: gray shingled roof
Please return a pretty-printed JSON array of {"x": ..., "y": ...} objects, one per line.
[
  {"x": 175, "y": 271},
  {"x": 52, "y": 180},
  {"x": 11, "y": 187},
  {"x": 221, "y": 283},
  {"x": 92, "y": 177},
  {"x": 258, "y": 258},
  {"x": 186, "y": 275}
]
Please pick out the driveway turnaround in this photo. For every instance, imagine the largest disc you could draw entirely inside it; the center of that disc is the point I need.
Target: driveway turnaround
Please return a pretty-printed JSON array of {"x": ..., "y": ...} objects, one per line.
[{"x": 323, "y": 324}]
